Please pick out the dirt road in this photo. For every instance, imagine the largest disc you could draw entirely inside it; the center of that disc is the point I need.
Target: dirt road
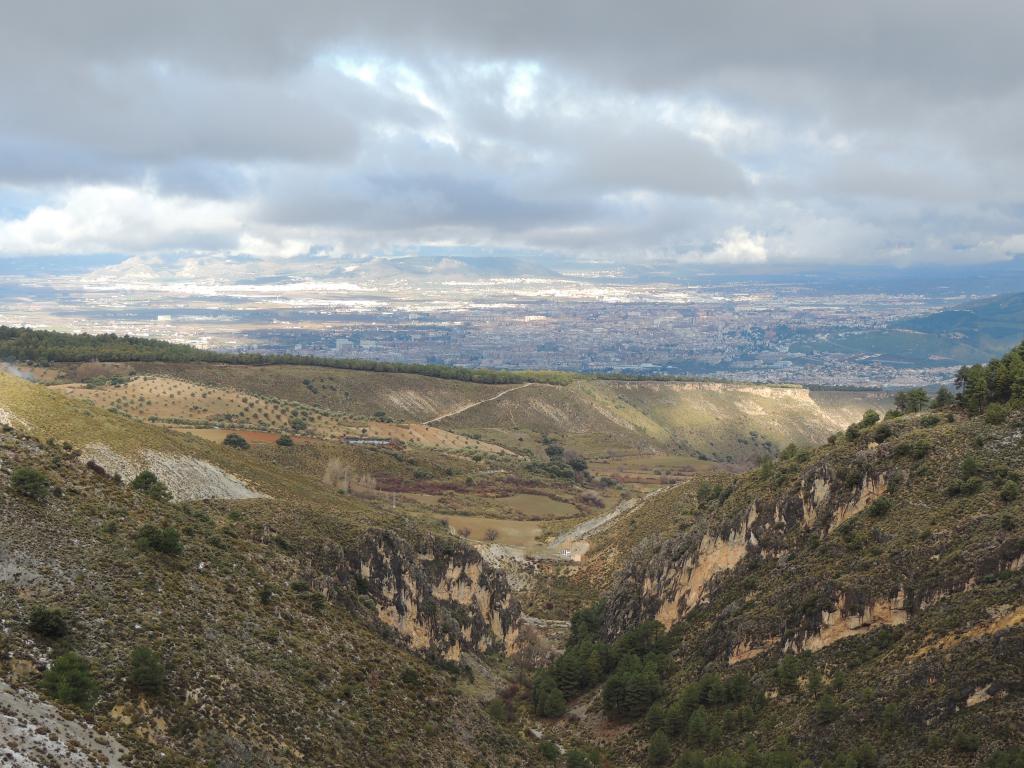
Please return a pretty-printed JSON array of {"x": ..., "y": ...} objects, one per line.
[{"x": 474, "y": 405}]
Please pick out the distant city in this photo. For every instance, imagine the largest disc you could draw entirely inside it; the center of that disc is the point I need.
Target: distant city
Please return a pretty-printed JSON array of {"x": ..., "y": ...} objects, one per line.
[{"x": 760, "y": 330}]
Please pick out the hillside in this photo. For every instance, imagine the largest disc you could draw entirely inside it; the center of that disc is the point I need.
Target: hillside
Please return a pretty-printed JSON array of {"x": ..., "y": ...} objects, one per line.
[
  {"x": 732, "y": 423},
  {"x": 642, "y": 434},
  {"x": 316, "y": 602},
  {"x": 276, "y": 630},
  {"x": 27, "y": 344},
  {"x": 859, "y": 604}
]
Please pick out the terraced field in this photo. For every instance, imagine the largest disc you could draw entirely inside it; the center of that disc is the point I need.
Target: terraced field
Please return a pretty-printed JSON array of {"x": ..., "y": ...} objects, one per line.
[
  {"x": 360, "y": 394},
  {"x": 171, "y": 401}
]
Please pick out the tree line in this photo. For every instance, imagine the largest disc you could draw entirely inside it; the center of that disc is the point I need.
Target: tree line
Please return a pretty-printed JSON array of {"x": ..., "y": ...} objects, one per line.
[
  {"x": 999, "y": 382},
  {"x": 44, "y": 347}
]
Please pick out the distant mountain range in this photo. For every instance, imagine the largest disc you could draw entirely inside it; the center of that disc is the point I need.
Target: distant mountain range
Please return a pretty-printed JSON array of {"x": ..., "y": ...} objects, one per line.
[{"x": 973, "y": 332}]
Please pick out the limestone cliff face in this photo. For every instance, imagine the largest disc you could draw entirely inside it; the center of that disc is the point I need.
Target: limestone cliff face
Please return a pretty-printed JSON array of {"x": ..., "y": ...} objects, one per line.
[
  {"x": 439, "y": 596},
  {"x": 766, "y": 541},
  {"x": 681, "y": 573}
]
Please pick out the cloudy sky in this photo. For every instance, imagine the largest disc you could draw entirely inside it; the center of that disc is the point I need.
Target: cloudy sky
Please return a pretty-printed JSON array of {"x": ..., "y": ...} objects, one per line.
[{"x": 732, "y": 132}]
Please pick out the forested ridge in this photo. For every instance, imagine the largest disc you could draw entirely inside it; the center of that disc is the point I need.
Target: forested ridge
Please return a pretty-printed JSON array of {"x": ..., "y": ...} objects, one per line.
[{"x": 44, "y": 347}]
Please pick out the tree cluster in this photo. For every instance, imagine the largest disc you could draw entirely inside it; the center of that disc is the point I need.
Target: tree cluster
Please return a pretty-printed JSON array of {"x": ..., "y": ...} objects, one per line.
[{"x": 1000, "y": 381}]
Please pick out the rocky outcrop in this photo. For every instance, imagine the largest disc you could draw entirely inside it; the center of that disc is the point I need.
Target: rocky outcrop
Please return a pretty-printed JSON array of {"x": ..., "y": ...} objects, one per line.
[
  {"x": 842, "y": 622},
  {"x": 678, "y": 575},
  {"x": 826, "y": 504},
  {"x": 186, "y": 477},
  {"x": 440, "y": 596},
  {"x": 779, "y": 531}
]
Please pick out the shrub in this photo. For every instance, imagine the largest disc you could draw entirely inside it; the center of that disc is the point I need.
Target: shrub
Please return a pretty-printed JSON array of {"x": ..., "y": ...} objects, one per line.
[
  {"x": 234, "y": 440},
  {"x": 146, "y": 671},
  {"x": 165, "y": 540},
  {"x": 827, "y": 710},
  {"x": 548, "y": 751},
  {"x": 575, "y": 758},
  {"x": 880, "y": 507},
  {"x": 30, "y": 482},
  {"x": 69, "y": 679},
  {"x": 1009, "y": 758},
  {"x": 997, "y": 413},
  {"x": 883, "y": 432},
  {"x": 971, "y": 485},
  {"x": 148, "y": 483},
  {"x": 915, "y": 449},
  {"x": 964, "y": 741},
  {"x": 870, "y": 417},
  {"x": 48, "y": 622},
  {"x": 285, "y": 441},
  {"x": 499, "y": 710},
  {"x": 1010, "y": 491}
]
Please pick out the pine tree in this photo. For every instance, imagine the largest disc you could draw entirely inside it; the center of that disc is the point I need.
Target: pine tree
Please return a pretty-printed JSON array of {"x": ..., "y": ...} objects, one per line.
[
  {"x": 698, "y": 728},
  {"x": 659, "y": 750}
]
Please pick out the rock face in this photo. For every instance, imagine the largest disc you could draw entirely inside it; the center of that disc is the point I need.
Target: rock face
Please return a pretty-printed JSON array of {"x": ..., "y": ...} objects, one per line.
[
  {"x": 440, "y": 596},
  {"x": 677, "y": 577},
  {"x": 770, "y": 536}
]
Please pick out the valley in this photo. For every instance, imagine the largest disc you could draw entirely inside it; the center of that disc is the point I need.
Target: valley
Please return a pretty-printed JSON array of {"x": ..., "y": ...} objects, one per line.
[
  {"x": 511, "y": 385},
  {"x": 473, "y": 539}
]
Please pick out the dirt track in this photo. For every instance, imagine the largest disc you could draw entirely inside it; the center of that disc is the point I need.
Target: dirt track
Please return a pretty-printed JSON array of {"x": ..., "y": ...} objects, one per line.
[{"x": 465, "y": 408}]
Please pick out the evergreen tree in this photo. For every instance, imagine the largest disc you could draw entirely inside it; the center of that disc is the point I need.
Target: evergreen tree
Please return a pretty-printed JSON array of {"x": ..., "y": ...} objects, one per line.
[
  {"x": 69, "y": 679},
  {"x": 698, "y": 728},
  {"x": 911, "y": 400},
  {"x": 146, "y": 671},
  {"x": 943, "y": 398},
  {"x": 658, "y": 751}
]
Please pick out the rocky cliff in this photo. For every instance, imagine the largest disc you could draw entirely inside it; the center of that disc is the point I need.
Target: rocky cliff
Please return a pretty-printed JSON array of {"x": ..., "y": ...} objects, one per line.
[
  {"x": 827, "y": 517},
  {"x": 439, "y": 595},
  {"x": 860, "y": 604}
]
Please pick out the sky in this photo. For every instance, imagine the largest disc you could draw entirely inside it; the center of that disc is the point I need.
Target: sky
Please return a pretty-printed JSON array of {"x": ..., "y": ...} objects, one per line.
[{"x": 725, "y": 133}]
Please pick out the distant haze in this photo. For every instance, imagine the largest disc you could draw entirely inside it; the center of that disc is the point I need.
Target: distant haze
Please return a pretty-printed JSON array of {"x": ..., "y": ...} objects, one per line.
[{"x": 599, "y": 133}]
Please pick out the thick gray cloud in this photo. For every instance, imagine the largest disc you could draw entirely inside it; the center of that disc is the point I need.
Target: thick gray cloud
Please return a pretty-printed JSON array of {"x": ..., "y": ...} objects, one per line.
[{"x": 817, "y": 131}]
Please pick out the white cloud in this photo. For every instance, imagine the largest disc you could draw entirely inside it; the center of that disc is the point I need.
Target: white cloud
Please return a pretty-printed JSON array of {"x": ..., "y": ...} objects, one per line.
[
  {"x": 737, "y": 246},
  {"x": 801, "y": 134},
  {"x": 119, "y": 219}
]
